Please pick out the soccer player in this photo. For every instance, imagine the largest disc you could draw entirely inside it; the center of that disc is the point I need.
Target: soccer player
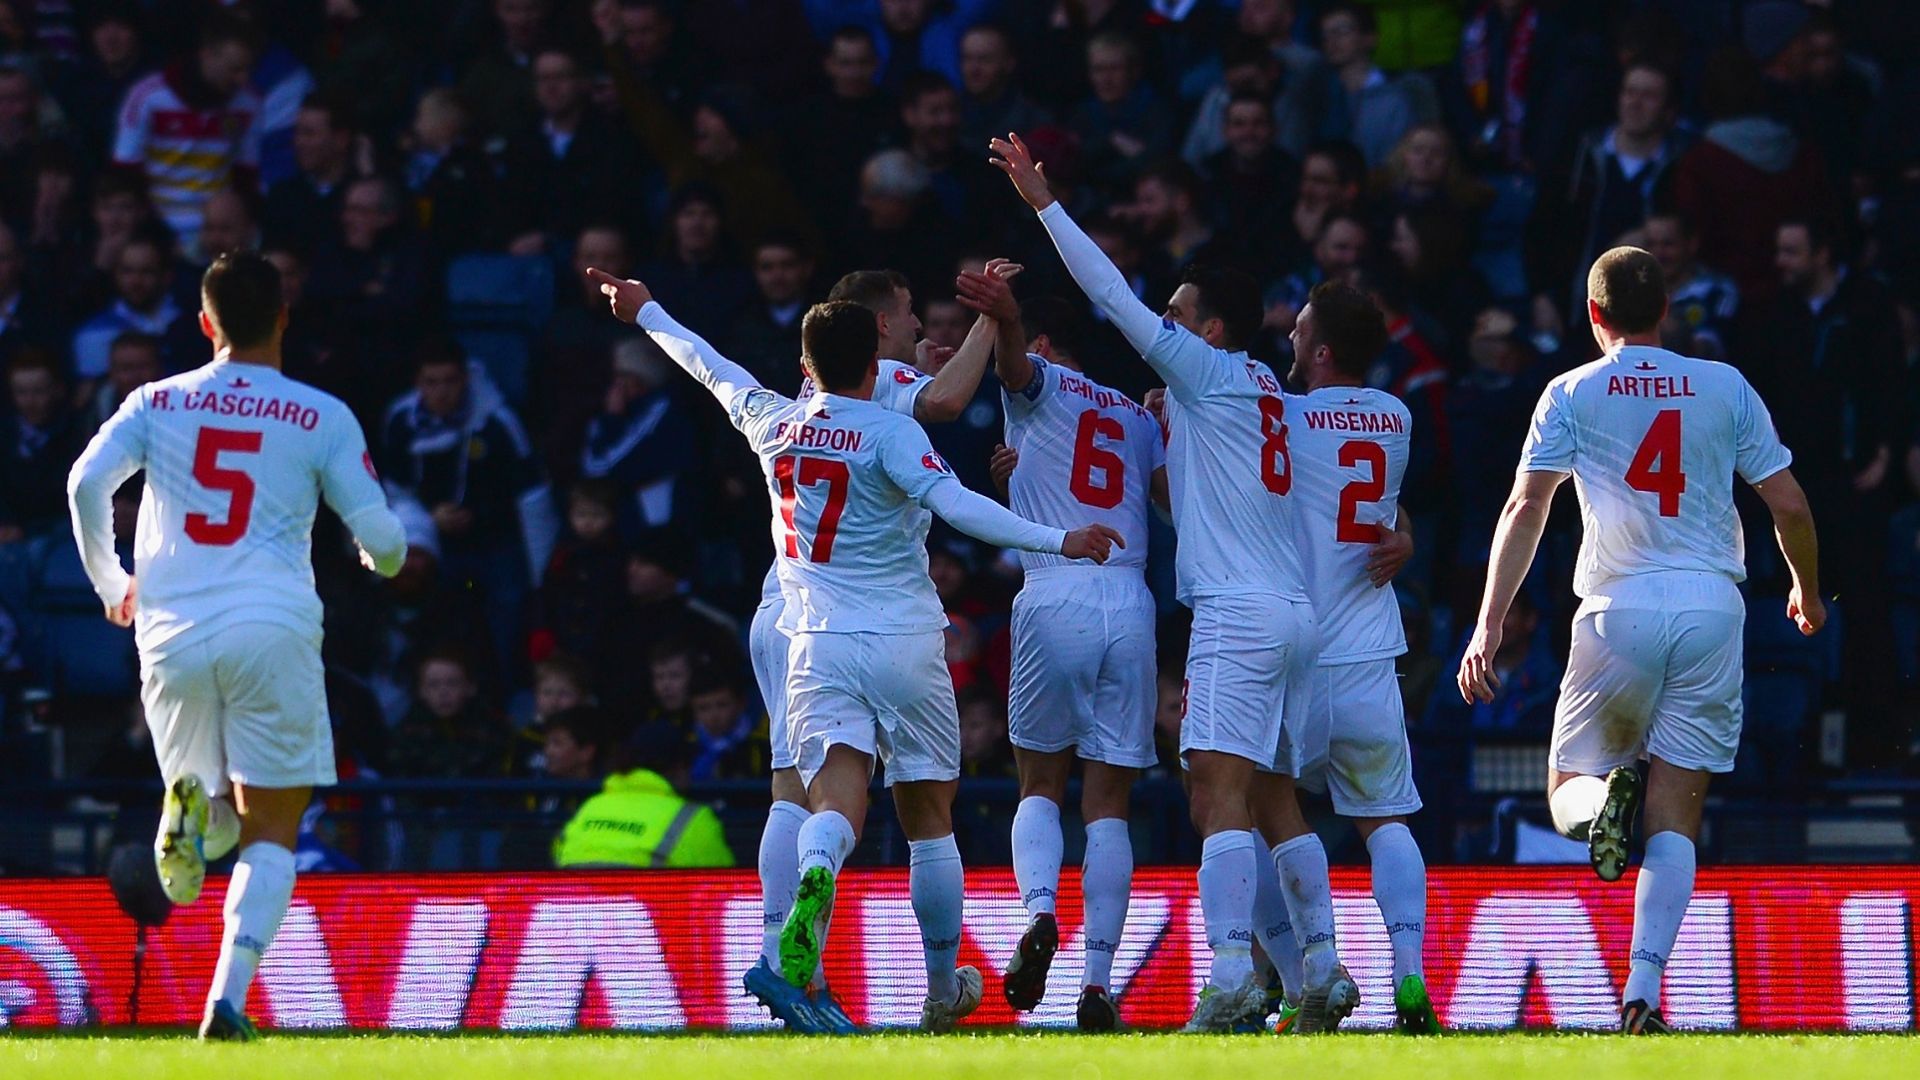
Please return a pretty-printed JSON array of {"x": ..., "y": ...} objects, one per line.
[
  {"x": 900, "y": 388},
  {"x": 1083, "y": 681},
  {"x": 1350, "y": 447},
  {"x": 237, "y": 456},
  {"x": 1653, "y": 440},
  {"x": 1238, "y": 567},
  {"x": 867, "y": 674}
]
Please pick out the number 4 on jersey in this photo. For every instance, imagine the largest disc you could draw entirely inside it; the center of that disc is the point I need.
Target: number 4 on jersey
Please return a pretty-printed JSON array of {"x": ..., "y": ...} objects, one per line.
[{"x": 1656, "y": 465}]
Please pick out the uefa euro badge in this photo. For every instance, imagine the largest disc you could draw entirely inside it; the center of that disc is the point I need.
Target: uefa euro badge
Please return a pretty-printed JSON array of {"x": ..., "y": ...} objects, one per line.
[{"x": 932, "y": 460}]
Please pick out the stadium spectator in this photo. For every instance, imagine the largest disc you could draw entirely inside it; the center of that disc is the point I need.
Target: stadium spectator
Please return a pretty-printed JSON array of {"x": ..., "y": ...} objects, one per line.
[
  {"x": 1355, "y": 100},
  {"x": 452, "y": 182},
  {"x": 465, "y": 457},
  {"x": 992, "y": 103},
  {"x": 91, "y": 89},
  {"x": 372, "y": 287},
  {"x": 561, "y": 685},
  {"x": 1250, "y": 184},
  {"x": 570, "y": 166},
  {"x": 984, "y": 749},
  {"x": 1522, "y": 709},
  {"x": 194, "y": 128},
  {"x": 639, "y": 820},
  {"x": 1342, "y": 244},
  {"x": 962, "y": 186},
  {"x": 1166, "y": 209},
  {"x": 580, "y": 590},
  {"x": 1123, "y": 124},
  {"x": 302, "y": 211},
  {"x": 142, "y": 300},
  {"x": 762, "y": 44},
  {"x": 41, "y": 440},
  {"x": 573, "y": 746},
  {"x": 1330, "y": 182},
  {"x": 657, "y": 619},
  {"x": 1430, "y": 246},
  {"x": 25, "y": 317},
  {"x": 1701, "y": 303},
  {"x": 765, "y": 337},
  {"x": 133, "y": 361},
  {"x": 575, "y": 352},
  {"x": 698, "y": 273},
  {"x": 641, "y": 441},
  {"x": 227, "y": 225},
  {"x": 729, "y": 739},
  {"x": 829, "y": 135},
  {"x": 901, "y": 227},
  {"x": 450, "y": 732},
  {"x": 497, "y": 77},
  {"x": 1273, "y": 69}
]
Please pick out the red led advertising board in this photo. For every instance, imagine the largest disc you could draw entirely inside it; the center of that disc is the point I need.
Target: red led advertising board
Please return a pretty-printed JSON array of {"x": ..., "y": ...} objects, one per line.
[{"x": 1761, "y": 948}]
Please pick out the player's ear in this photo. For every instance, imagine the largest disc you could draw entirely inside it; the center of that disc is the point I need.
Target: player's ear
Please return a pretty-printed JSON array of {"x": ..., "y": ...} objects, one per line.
[
  {"x": 1593, "y": 312},
  {"x": 206, "y": 324},
  {"x": 1039, "y": 346}
]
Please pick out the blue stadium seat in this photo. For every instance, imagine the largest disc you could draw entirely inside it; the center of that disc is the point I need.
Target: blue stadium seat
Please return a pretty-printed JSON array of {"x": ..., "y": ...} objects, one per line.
[{"x": 498, "y": 305}]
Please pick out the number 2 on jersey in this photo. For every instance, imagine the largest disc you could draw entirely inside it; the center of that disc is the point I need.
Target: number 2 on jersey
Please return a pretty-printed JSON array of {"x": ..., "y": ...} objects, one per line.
[
  {"x": 1656, "y": 465},
  {"x": 1088, "y": 457},
  {"x": 1276, "y": 464},
  {"x": 1372, "y": 489},
  {"x": 238, "y": 486},
  {"x": 811, "y": 471}
]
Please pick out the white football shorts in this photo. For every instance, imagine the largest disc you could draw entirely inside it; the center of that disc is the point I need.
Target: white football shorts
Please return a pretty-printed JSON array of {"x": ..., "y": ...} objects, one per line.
[
  {"x": 246, "y": 704},
  {"x": 1356, "y": 740},
  {"x": 1246, "y": 688},
  {"x": 767, "y": 648},
  {"x": 1640, "y": 681},
  {"x": 1084, "y": 665},
  {"x": 886, "y": 695}
]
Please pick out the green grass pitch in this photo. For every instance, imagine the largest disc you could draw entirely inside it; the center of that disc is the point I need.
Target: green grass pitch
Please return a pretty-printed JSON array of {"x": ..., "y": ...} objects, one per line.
[{"x": 986, "y": 1056}]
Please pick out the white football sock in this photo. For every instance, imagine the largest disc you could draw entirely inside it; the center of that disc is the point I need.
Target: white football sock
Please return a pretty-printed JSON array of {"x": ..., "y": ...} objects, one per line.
[
  {"x": 1036, "y": 853},
  {"x": 938, "y": 887},
  {"x": 1106, "y": 886},
  {"x": 1274, "y": 923},
  {"x": 1400, "y": 888},
  {"x": 1575, "y": 803},
  {"x": 1302, "y": 863},
  {"x": 1227, "y": 869},
  {"x": 825, "y": 840},
  {"x": 257, "y": 898},
  {"x": 779, "y": 873},
  {"x": 223, "y": 829},
  {"x": 1659, "y": 904}
]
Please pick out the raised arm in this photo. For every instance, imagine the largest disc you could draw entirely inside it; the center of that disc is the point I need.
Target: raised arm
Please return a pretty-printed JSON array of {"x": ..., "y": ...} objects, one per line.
[
  {"x": 989, "y": 295},
  {"x": 116, "y": 452},
  {"x": 1515, "y": 541},
  {"x": 632, "y": 302},
  {"x": 951, "y": 391},
  {"x": 1091, "y": 269}
]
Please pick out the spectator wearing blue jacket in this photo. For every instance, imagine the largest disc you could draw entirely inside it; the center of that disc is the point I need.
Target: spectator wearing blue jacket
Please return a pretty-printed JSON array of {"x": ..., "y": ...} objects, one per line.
[{"x": 641, "y": 442}]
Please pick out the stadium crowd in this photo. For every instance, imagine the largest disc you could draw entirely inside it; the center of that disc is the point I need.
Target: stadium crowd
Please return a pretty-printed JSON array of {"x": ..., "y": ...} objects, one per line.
[{"x": 586, "y": 535}]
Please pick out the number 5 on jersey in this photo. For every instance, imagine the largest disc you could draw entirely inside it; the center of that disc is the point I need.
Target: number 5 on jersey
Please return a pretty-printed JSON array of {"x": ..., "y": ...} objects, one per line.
[
  {"x": 809, "y": 472},
  {"x": 237, "y": 485},
  {"x": 1656, "y": 465}
]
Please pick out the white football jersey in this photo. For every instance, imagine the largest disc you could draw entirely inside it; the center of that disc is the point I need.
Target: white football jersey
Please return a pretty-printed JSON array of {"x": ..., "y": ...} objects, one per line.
[
  {"x": 1087, "y": 456},
  {"x": 1653, "y": 440},
  {"x": 1349, "y": 446},
  {"x": 237, "y": 457},
  {"x": 1229, "y": 471},
  {"x": 897, "y": 389}
]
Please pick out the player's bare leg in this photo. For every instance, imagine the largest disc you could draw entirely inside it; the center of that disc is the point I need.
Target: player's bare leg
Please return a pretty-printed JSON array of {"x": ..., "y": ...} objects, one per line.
[
  {"x": 1218, "y": 785},
  {"x": 779, "y": 866},
  {"x": 257, "y": 899},
  {"x": 1037, "y": 846},
  {"x": 838, "y": 795},
  {"x": 937, "y": 885},
  {"x": 1599, "y": 811},
  {"x": 1106, "y": 886},
  {"x": 1400, "y": 888},
  {"x": 195, "y": 829},
  {"x": 1675, "y": 797},
  {"x": 1329, "y": 994}
]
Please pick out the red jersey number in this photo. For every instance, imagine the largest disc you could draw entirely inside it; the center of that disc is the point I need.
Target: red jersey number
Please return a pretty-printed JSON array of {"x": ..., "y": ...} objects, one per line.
[
  {"x": 811, "y": 472},
  {"x": 1374, "y": 488},
  {"x": 237, "y": 485},
  {"x": 1656, "y": 465},
  {"x": 1276, "y": 464},
  {"x": 1087, "y": 456}
]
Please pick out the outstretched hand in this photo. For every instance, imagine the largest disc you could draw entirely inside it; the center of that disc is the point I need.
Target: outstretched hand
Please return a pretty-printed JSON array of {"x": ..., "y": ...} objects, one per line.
[
  {"x": 625, "y": 297},
  {"x": 1094, "y": 542},
  {"x": 1029, "y": 178},
  {"x": 987, "y": 294}
]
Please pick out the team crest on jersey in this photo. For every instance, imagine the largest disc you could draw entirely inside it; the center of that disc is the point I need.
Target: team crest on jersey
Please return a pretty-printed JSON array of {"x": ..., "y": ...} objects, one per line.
[
  {"x": 905, "y": 376},
  {"x": 932, "y": 460}
]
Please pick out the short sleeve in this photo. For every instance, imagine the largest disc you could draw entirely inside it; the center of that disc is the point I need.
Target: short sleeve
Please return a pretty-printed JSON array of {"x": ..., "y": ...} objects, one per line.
[
  {"x": 1029, "y": 397},
  {"x": 1760, "y": 453},
  {"x": 1549, "y": 446},
  {"x": 899, "y": 387}
]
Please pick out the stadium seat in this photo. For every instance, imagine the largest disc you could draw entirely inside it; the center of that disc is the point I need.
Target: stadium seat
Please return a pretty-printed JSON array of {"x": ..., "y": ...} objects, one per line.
[{"x": 498, "y": 305}]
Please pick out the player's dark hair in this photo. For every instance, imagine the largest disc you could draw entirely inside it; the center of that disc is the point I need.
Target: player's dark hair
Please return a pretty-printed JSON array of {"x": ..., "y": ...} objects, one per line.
[
  {"x": 1062, "y": 321},
  {"x": 1627, "y": 286},
  {"x": 241, "y": 290},
  {"x": 1230, "y": 295},
  {"x": 838, "y": 342},
  {"x": 875, "y": 290},
  {"x": 1349, "y": 324}
]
